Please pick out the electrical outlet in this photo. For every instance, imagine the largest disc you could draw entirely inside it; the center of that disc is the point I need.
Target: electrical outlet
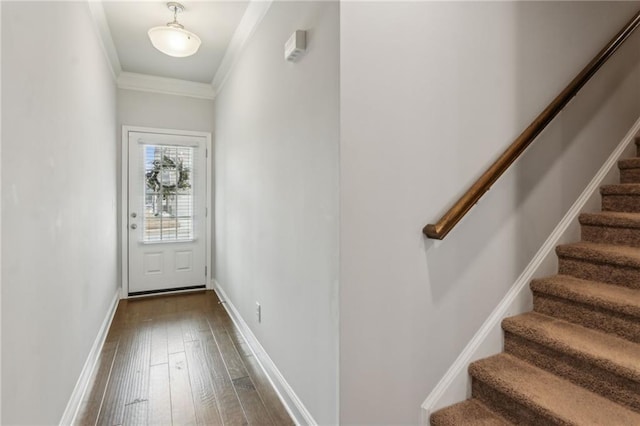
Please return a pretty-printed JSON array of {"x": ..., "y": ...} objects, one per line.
[{"x": 259, "y": 312}]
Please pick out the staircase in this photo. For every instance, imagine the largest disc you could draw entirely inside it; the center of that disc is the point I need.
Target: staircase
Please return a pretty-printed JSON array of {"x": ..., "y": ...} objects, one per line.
[{"x": 574, "y": 360}]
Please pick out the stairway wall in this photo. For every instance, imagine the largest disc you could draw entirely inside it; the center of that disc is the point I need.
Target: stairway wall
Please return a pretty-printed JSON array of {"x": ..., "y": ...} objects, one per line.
[
  {"x": 431, "y": 93},
  {"x": 59, "y": 213}
]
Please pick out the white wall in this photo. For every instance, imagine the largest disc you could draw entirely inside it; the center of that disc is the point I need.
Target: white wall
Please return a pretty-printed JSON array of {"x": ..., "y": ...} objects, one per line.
[
  {"x": 137, "y": 108},
  {"x": 276, "y": 167},
  {"x": 431, "y": 93},
  {"x": 147, "y": 109},
  {"x": 58, "y": 203},
  {"x": 0, "y": 209}
]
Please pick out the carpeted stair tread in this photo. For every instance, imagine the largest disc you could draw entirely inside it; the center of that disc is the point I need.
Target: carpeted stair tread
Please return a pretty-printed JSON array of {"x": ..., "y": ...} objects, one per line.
[
  {"x": 607, "y": 296},
  {"x": 621, "y": 189},
  {"x": 557, "y": 400},
  {"x": 467, "y": 413},
  {"x": 611, "y": 219},
  {"x": 575, "y": 359},
  {"x": 601, "y": 253},
  {"x": 629, "y": 163},
  {"x": 618, "y": 356}
]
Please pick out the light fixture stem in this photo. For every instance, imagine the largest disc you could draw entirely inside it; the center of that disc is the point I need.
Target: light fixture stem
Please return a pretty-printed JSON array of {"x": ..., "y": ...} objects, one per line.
[{"x": 175, "y": 7}]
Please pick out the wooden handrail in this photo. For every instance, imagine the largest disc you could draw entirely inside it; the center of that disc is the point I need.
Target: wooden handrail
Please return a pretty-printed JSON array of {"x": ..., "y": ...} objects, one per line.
[{"x": 440, "y": 229}]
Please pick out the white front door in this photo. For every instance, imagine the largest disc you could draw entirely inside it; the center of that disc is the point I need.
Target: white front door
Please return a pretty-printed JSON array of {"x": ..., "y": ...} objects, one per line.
[{"x": 166, "y": 215}]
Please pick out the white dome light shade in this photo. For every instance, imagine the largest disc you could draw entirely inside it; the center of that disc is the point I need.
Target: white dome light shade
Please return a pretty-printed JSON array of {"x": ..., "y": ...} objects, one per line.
[{"x": 174, "y": 41}]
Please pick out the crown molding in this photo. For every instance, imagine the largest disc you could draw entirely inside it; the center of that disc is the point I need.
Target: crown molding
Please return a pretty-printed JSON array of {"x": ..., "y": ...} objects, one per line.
[
  {"x": 104, "y": 33},
  {"x": 256, "y": 10},
  {"x": 164, "y": 85}
]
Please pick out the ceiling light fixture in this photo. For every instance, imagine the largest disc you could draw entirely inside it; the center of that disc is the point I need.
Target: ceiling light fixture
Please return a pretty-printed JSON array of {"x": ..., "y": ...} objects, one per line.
[{"x": 172, "y": 39}]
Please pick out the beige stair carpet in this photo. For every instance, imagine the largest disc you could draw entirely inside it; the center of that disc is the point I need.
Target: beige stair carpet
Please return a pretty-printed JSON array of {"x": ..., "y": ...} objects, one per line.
[{"x": 574, "y": 360}]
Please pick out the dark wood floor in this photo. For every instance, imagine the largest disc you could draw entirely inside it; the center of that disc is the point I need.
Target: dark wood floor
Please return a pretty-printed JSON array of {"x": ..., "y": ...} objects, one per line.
[{"x": 178, "y": 360}]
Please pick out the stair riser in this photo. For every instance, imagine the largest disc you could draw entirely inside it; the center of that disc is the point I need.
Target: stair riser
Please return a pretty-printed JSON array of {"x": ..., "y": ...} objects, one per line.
[
  {"x": 610, "y": 235},
  {"x": 605, "y": 272},
  {"x": 621, "y": 325},
  {"x": 621, "y": 203},
  {"x": 579, "y": 371},
  {"x": 506, "y": 406},
  {"x": 629, "y": 175}
]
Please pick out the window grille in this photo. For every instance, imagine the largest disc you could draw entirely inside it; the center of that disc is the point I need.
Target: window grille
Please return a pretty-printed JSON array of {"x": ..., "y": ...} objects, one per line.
[{"x": 168, "y": 189}]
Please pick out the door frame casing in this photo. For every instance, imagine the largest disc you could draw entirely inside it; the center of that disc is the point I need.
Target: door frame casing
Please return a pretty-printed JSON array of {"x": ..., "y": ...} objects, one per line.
[{"x": 124, "y": 199}]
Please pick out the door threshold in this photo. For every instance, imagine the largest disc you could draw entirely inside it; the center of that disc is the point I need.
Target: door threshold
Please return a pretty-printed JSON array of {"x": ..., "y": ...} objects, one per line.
[{"x": 167, "y": 290}]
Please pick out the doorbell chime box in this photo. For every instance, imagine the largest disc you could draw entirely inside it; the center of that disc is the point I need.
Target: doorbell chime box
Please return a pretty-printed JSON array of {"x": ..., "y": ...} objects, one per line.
[{"x": 295, "y": 46}]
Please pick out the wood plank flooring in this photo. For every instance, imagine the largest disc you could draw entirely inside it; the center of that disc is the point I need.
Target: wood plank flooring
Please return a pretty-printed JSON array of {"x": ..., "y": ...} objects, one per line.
[{"x": 178, "y": 360}]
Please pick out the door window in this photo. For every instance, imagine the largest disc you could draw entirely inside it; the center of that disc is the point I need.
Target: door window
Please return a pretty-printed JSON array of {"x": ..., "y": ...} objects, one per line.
[{"x": 168, "y": 192}]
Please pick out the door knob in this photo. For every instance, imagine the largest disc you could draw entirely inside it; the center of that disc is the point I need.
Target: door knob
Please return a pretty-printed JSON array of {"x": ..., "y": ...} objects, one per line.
[
  {"x": 134, "y": 215},
  {"x": 134, "y": 226}
]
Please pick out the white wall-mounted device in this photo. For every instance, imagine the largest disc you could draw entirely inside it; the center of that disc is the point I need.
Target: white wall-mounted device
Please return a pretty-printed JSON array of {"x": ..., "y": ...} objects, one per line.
[{"x": 295, "y": 46}]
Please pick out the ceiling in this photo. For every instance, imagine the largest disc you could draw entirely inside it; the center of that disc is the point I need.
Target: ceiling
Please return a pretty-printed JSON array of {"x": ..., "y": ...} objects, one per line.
[{"x": 213, "y": 21}]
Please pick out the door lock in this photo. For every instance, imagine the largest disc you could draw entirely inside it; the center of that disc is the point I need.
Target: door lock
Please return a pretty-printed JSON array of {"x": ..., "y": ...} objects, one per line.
[{"x": 134, "y": 215}]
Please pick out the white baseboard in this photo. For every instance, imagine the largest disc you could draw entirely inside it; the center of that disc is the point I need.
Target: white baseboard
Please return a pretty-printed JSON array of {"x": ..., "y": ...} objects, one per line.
[
  {"x": 455, "y": 386},
  {"x": 290, "y": 400},
  {"x": 75, "y": 401}
]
